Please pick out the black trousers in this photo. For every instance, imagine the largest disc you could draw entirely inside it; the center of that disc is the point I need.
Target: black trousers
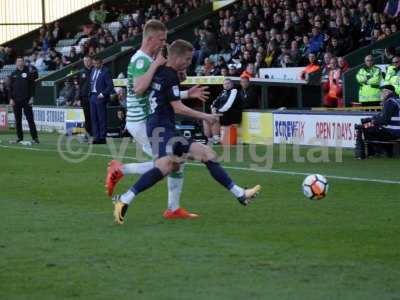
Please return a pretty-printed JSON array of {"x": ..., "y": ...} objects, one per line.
[
  {"x": 231, "y": 117},
  {"x": 27, "y": 108},
  {"x": 373, "y": 133},
  {"x": 98, "y": 111},
  {"x": 378, "y": 134},
  {"x": 86, "y": 111}
]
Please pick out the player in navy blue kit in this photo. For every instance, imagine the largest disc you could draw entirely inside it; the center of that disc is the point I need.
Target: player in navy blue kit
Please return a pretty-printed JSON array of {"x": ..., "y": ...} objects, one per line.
[{"x": 169, "y": 148}]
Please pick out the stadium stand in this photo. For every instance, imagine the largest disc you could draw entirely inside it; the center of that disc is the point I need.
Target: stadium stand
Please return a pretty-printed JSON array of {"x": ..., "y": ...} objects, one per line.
[
  {"x": 118, "y": 55},
  {"x": 122, "y": 22},
  {"x": 283, "y": 34},
  {"x": 294, "y": 28},
  {"x": 262, "y": 33}
]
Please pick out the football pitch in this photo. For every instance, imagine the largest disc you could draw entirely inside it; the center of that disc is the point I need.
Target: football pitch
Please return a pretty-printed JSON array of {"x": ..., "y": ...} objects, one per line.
[{"x": 58, "y": 240}]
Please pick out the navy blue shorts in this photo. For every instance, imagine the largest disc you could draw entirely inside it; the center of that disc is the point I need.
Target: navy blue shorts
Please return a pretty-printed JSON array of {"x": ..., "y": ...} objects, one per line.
[{"x": 166, "y": 142}]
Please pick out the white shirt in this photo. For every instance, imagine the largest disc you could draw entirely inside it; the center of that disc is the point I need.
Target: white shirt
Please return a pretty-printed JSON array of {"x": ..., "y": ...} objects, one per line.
[{"x": 95, "y": 76}]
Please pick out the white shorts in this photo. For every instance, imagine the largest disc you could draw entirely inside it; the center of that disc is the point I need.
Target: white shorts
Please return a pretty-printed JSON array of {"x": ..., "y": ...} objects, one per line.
[{"x": 138, "y": 131}]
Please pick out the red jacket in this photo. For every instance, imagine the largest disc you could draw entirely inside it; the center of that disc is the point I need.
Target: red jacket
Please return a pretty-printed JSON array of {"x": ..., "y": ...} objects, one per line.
[{"x": 311, "y": 68}]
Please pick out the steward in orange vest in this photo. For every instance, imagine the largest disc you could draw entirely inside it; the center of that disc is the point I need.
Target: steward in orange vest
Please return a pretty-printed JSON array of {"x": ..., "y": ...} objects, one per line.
[
  {"x": 310, "y": 69},
  {"x": 334, "y": 96}
]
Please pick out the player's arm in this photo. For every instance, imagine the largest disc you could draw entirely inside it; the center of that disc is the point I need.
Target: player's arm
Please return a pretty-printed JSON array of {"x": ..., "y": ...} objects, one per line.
[
  {"x": 173, "y": 96},
  {"x": 196, "y": 92},
  {"x": 142, "y": 83},
  {"x": 182, "y": 109}
]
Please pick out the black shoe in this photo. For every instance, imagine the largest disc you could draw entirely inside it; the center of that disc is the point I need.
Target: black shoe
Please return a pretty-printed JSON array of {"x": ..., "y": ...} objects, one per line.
[{"x": 36, "y": 141}]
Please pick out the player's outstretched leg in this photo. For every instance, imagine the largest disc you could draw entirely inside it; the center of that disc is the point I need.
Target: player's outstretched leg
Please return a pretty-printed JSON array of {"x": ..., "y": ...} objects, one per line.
[
  {"x": 206, "y": 155},
  {"x": 143, "y": 167},
  {"x": 137, "y": 168},
  {"x": 116, "y": 171},
  {"x": 163, "y": 167},
  {"x": 175, "y": 185}
]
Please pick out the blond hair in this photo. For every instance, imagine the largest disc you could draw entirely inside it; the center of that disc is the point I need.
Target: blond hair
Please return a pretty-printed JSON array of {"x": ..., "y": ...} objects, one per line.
[
  {"x": 152, "y": 27},
  {"x": 180, "y": 47}
]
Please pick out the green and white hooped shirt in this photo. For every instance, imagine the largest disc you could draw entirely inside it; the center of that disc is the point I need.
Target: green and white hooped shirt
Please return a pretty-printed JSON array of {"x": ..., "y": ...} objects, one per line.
[{"x": 137, "y": 106}]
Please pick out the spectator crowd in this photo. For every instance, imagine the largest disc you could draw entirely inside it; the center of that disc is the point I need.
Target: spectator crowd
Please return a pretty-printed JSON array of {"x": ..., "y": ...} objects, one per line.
[
  {"x": 268, "y": 33},
  {"x": 256, "y": 34},
  {"x": 247, "y": 36},
  {"x": 105, "y": 27}
]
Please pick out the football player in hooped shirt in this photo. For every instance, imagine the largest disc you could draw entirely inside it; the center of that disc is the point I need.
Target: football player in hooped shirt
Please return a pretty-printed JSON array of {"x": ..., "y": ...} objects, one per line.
[{"x": 168, "y": 147}]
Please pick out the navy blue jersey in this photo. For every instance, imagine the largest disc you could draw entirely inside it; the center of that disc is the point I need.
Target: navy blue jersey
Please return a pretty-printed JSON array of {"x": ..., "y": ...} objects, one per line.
[{"x": 164, "y": 90}]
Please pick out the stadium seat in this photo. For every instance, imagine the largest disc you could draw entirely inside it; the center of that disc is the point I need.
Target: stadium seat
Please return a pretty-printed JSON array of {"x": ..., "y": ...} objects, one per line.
[
  {"x": 82, "y": 41},
  {"x": 114, "y": 27},
  {"x": 65, "y": 43},
  {"x": 9, "y": 67},
  {"x": 44, "y": 73},
  {"x": 78, "y": 35}
]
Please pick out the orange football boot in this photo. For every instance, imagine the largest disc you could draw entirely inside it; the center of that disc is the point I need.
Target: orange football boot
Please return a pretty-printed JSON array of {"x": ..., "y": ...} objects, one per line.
[
  {"x": 114, "y": 174},
  {"x": 179, "y": 213}
]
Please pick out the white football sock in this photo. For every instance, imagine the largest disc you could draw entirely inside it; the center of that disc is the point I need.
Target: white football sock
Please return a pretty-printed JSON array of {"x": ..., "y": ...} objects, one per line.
[
  {"x": 174, "y": 192},
  {"x": 175, "y": 185},
  {"x": 237, "y": 191},
  {"x": 137, "y": 168},
  {"x": 127, "y": 197}
]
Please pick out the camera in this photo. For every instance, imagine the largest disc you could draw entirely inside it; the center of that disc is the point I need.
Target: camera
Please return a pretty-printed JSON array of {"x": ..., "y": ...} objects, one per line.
[
  {"x": 366, "y": 120},
  {"x": 363, "y": 121}
]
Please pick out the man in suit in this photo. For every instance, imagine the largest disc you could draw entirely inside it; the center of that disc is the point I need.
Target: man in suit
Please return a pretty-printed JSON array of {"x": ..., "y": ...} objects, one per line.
[{"x": 101, "y": 86}]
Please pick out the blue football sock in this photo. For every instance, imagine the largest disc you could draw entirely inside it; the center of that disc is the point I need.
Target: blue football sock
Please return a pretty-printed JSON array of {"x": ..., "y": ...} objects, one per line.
[
  {"x": 219, "y": 174},
  {"x": 147, "y": 180}
]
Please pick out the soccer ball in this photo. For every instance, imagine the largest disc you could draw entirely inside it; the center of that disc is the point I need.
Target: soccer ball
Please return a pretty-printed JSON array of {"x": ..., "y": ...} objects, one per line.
[{"x": 315, "y": 187}]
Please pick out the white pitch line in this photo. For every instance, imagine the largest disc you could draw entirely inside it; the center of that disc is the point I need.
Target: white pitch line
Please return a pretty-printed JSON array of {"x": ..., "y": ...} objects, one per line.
[{"x": 261, "y": 170}]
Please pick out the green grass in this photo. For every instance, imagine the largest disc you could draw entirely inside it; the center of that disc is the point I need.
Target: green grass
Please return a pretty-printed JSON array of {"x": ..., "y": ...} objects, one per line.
[{"x": 58, "y": 240}]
